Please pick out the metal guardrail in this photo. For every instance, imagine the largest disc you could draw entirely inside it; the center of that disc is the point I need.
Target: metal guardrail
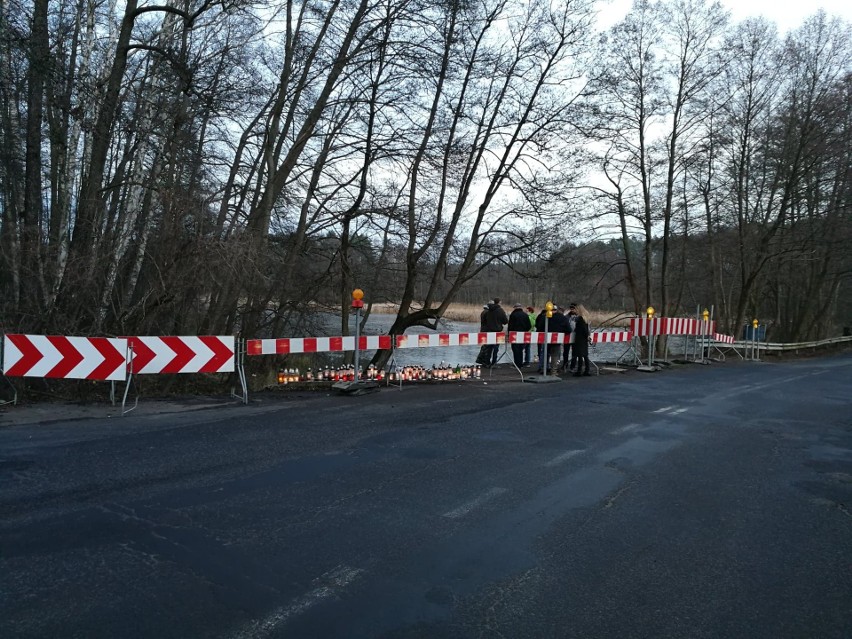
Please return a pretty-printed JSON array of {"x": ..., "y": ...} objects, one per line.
[{"x": 777, "y": 346}]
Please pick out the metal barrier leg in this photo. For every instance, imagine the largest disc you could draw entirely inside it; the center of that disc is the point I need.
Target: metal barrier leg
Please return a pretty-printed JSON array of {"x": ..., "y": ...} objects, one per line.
[
  {"x": 512, "y": 359},
  {"x": 240, "y": 368},
  {"x": 630, "y": 349},
  {"x": 14, "y": 400},
  {"x": 124, "y": 410},
  {"x": 391, "y": 365},
  {"x": 500, "y": 358}
]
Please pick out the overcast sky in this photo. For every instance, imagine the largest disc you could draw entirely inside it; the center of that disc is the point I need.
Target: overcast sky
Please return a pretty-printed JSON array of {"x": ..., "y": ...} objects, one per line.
[{"x": 785, "y": 13}]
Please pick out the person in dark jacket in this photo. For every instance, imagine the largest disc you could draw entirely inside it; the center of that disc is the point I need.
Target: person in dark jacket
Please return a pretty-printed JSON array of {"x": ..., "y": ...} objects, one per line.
[
  {"x": 483, "y": 315},
  {"x": 581, "y": 342},
  {"x": 556, "y": 324},
  {"x": 570, "y": 317},
  {"x": 492, "y": 320},
  {"x": 495, "y": 321},
  {"x": 519, "y": 321},
  {"x": 485, "y": 348}
]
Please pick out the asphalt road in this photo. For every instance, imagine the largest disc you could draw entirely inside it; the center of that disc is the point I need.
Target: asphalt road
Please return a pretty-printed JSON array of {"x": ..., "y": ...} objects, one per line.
[{"x": 703, "y": 501}]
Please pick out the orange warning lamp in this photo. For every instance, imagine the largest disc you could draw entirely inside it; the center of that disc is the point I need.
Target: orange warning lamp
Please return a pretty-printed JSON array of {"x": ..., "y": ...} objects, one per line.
[
  {"x": 357, "y": 298},
  {"x": 549, "y": 309},
  {"x": 650, "y": 311}
]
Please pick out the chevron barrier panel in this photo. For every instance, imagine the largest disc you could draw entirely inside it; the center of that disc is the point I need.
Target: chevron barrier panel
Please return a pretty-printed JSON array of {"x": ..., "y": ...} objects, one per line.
[
  {"x": 57, "y": 356},
  {"x": 187, "y": 354}
]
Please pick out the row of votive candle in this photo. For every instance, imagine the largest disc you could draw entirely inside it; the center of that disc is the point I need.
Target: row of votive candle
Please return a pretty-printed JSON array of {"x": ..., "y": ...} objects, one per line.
[{"x": 401, "y": 374}]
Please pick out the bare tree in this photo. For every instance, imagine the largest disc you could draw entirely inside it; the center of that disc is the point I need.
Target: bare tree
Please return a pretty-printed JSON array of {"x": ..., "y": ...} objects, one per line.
[{"x": 652, "y": 95}]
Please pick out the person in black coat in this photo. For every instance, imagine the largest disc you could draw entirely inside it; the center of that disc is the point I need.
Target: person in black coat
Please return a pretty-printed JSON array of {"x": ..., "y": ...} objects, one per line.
[
  {"x": 519, "y": 321},
  {"x": 493, "y": 320},
  {"x": 485, "y": 349},
  {"x": 581, "y": 343}
]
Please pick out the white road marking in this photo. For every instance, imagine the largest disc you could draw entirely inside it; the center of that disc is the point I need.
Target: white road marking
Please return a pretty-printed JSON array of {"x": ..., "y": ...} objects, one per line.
[
  {"x": 568, "y": 454},
  {"x": 754, "y": 387},
  {"x": 679, "y": 411},
  {"x": 464, "y": 509},
  {"x": 664, "y": 409},
  {"x": 624, "y": 429},
  {"x": 331, "y": 582}
]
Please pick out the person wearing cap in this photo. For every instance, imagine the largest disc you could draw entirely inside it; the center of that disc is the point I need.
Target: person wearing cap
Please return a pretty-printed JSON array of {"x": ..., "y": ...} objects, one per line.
[{"x": 519, "y": 321}]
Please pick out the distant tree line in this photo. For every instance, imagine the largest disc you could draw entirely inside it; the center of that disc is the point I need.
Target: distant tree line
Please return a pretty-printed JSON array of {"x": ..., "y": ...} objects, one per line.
[{"x": 230, "y": 166}]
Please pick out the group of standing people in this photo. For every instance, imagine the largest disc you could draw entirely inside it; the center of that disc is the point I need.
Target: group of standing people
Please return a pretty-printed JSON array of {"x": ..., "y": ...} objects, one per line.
[{"x": 575, "y": 357}]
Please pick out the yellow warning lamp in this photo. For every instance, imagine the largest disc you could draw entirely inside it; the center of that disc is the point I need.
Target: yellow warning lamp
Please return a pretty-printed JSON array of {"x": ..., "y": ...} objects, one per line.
[
  {"x": 357, "y": 298},
  {"x": 754, "y": 323},
  {"x": 705, "y": 315},
  {"x": 549, "y": 309},
  {"x": 650, "y": 311}
]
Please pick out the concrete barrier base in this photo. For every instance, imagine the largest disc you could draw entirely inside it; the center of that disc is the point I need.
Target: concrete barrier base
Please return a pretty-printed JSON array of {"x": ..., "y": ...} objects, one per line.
[
  {"x": 541, "y": 379},
  {"x": 356, "y": 388}
]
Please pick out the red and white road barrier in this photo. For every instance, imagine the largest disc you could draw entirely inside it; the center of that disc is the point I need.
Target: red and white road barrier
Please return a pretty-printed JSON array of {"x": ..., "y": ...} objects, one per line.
[
  {"x": 706, "y": 328},
  {"x": 537, "y": 337},
  {"x": 643, "y": 327},
  {"x": 611, "y": 337},
  {"x": 449, "y": 339},
  {"x": 287, "y": 345},
  {"x": 680, "y": 326},
  {"x": 56, "y": 356},
  {"x": 725, "y": 339},
  {"x": 600, "y": 337},
  {"x": 203, "y": 354}
]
